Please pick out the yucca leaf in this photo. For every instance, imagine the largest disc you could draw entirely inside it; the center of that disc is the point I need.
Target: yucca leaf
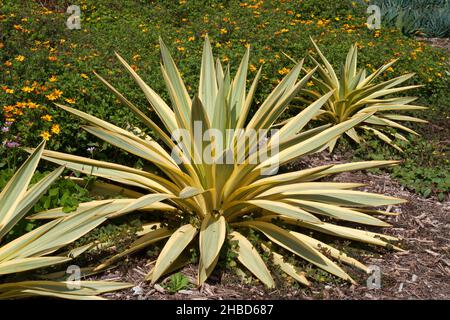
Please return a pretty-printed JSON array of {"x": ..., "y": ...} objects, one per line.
[
  {"x": 177, "y": 242},
  {"x": 289, "y": 242},
  {"x": 16, "y": 187},
  {"x": 287, "y": 267},
  {"x": 250, "y": 258},
  {"x": 212, "y": 236}
]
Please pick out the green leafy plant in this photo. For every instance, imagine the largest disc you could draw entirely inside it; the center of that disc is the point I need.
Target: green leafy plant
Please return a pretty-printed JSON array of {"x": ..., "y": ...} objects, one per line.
[
  {"x": 208, "y": 202},
  {"x": 176, "y": 283},
  {"x": 417, "y": 17},
  {"x": 355, "y": 93},
  {"x": 425, "y": 168},
  {"x": 34, "y": 249}
]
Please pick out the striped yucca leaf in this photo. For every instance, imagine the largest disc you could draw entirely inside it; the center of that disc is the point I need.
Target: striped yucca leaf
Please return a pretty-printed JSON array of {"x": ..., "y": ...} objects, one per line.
[
  {"x": 356, "y": 93},
  {"x": 224, "y": 198},
  {"x": 36, "y": 248}
]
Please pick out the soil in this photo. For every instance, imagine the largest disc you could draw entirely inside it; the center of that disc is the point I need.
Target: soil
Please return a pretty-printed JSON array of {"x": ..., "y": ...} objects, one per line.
[
  {"x": 437, "y": 42},
  {"x": 420, "y": 272}
]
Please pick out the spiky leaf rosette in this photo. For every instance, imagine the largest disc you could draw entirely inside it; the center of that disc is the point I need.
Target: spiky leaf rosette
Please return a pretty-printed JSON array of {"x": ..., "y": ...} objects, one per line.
[
  {"x": 36, "y": 248},
  {"x": 356, "y": 93},
  {"x": 221, "y": 199}
]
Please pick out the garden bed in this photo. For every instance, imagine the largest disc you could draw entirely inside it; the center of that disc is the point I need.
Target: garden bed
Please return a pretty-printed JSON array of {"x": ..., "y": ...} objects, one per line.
[
  {"x": 43, "y": 62},
  {"x": 422, "y": 271}
]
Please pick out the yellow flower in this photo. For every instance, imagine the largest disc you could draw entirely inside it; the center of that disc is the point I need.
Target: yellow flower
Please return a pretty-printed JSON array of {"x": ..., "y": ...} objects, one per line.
[
  {"x": 390, "y": 69},
  {"x": 56, "y": 129},
  {"x": 54, "y": 95},
  {"x": 53, "y": 78},
  {"x": 47, "y": 117},
  {"x": 45, "y": 135},
  {"x": 27, "y": 89},
  {"x": 20, "y": 58},
  {"x": 252, "y": 68},
  {"x": 181, "y": 49},
  {"x": 310, "y": 84},
  {"x": 9, "y": 91},
  {"x": 69, "y": 100},
  {"x": 84, "y": 76},
  {"x": 223, "y": 31},
  {"x": 283, "y": 71}
]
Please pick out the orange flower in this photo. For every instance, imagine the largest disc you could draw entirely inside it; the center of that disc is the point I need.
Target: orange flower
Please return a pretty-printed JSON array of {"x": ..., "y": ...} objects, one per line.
[
  {"x": 8, "y": 109},
  {"x": 32, "y": 105}
]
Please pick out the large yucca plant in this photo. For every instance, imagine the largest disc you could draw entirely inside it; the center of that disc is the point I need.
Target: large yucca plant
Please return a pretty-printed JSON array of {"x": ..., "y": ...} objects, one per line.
[
  {"x": 35, "y": 249},
  {"x": 213, "y": 202},
  {"x": 356, "y": 93}
]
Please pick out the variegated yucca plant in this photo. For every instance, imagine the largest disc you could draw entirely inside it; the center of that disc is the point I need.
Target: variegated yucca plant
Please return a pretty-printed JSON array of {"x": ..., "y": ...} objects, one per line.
[
  {"x": 220, "y": 201},
  {"x": 36, "y": 248},
  {"x": 356, "y": 93}
]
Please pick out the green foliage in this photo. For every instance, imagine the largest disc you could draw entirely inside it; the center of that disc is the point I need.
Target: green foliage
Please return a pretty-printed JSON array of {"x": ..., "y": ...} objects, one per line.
[
  {"x": 425, "y": 168},
  {"x": 63, "y": 193},
  {"x": 177, "y": 282},
  {"x": 417, "y": 17},
  {"x": 109, "y": 238},
  {"x": 135, "y": 27}
]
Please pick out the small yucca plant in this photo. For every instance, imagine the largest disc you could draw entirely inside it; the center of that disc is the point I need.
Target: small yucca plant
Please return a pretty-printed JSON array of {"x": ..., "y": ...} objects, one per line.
[
  {"x": 356, "y": 93},
  {"x": 34, "y": 249},
  {"x": 215, "y": 201}
]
